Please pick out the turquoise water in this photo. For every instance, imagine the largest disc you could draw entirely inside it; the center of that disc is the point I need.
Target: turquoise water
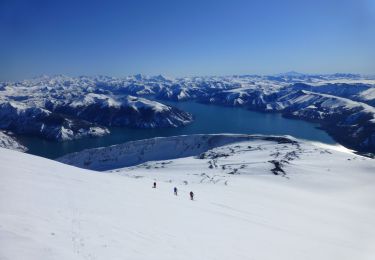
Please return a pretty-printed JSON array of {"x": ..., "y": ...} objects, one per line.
[{"x": 209, "y": 119}]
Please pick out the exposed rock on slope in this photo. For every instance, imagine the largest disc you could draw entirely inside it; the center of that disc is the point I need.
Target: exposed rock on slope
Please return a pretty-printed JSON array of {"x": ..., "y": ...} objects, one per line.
[
  {"x": 136, "y": 152},
  {"x": 9, "y": 142}
]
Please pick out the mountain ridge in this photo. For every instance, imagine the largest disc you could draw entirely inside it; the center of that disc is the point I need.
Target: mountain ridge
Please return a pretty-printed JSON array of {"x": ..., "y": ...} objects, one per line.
[{"x": 109, "y": 106}]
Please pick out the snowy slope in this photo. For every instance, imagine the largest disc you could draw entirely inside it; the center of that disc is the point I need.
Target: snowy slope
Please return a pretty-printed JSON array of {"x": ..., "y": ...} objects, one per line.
[
  {"x": 159, "y": 148},
  {"x": 322, "y": 208}
]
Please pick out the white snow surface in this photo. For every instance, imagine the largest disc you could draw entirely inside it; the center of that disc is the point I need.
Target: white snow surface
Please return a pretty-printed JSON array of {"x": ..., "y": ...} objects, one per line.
[{"x": 323, "y": 208}]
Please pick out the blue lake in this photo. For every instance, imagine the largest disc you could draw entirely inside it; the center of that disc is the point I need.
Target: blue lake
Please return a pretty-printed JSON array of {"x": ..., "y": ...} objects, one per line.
[{"x": 208, "y": 119}]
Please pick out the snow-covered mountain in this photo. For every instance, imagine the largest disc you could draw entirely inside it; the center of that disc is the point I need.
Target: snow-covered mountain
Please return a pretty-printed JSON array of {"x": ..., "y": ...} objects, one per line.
[
  {"x": 351, "y": 123},
  {"x": 62, "y": 108},
  {"x": 341, "y": 103},
  {"x": 7, "y": 140},
  {"x": 255, "y": 198},
  {"x": 22, "y": 118}
]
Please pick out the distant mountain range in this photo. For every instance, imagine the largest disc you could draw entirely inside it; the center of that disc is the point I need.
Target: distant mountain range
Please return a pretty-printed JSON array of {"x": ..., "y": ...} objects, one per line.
[{"x": 65, "y": 108}]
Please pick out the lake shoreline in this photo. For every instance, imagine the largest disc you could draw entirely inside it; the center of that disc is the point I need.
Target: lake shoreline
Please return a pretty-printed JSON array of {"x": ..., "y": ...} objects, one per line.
[{"x": 208, "y": 119}]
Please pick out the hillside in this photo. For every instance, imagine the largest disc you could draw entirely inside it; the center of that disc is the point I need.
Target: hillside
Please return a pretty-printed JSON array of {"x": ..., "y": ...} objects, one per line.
[{"x": 321, "y": 207}]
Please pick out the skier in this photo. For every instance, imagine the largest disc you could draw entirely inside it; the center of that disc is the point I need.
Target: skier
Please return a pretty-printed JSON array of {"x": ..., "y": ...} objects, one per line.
[
  {"x": 175, "y": 191},
  {"x": 154, "y": 185},
  {"x": 191, "y": 195}
]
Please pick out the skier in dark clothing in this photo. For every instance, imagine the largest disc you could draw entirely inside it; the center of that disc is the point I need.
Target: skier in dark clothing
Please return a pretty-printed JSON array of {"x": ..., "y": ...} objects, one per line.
[
  {"x": 154, "y": 185},
  {"x": 175, "y": 191},
  {"x": 191, "y": 195}
]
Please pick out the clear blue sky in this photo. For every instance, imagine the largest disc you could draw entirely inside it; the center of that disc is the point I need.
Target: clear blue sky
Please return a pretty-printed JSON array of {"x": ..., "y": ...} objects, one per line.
[{"x": 193, "y": 37}]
